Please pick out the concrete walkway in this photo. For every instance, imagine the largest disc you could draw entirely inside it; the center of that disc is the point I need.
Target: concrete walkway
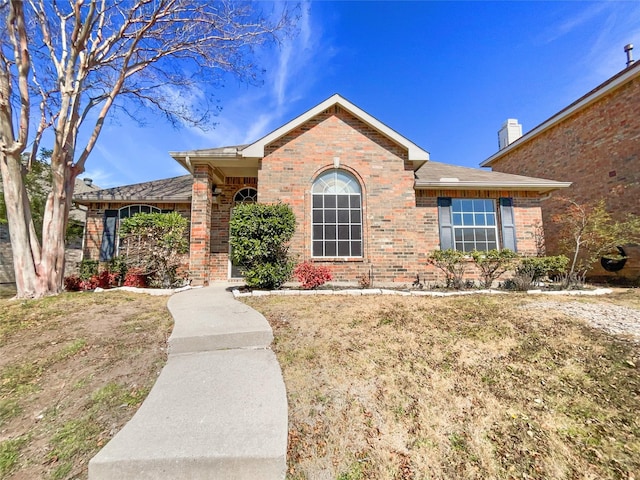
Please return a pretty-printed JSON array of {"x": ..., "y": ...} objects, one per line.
[{"x": 218, "y": 409}]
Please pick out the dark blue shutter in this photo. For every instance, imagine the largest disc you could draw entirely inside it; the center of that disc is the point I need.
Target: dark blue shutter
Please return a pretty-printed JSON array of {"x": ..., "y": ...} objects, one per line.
[
  {"x": 108, "y": 245},
  {"x": 508, "y": 224},
  {"x": 445, "y": 222}
]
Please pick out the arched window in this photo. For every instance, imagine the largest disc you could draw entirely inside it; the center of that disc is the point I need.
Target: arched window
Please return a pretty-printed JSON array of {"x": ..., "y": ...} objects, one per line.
[
  {"x": 131, "y": 210},
  {"x": 246, "y": 195},
  {"x": 111, "y": 225},
  {"x": 336, "y": 215}
]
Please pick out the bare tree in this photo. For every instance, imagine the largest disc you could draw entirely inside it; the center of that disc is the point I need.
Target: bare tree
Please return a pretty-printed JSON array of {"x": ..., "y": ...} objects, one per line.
[{"x": 66, "y": 64}]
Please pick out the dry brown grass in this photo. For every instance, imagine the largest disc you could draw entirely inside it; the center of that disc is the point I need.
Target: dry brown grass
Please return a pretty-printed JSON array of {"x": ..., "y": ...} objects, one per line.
[
  {"x": 474, "y": 387},
  {"x": 73, "y": 370}
]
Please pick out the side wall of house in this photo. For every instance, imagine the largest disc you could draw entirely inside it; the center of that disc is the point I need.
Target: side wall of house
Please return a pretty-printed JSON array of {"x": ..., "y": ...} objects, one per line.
[
  {"x": 598, "y": 149},
  {"x": 527, "y": 219}
]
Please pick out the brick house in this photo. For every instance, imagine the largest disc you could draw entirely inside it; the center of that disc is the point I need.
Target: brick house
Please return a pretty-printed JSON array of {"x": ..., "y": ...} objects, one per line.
[
  {"x": 368, "y": 201},
  {"x": 593, "y": 143}
]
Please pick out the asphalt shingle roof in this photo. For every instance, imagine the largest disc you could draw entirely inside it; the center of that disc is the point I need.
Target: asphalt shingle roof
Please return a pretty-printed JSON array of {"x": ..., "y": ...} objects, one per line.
[
  {"x": 175, "y": 189},
  {"x": 441, "y": 175}
]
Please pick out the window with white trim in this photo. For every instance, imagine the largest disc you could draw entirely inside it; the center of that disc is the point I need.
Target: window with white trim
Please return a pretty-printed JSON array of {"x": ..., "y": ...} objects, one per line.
[
  {"x": 246, "y": 195},
  {"x": 110, "y": 244},
  {"x": 131, "y": 210},
  {"x": 474, "y": 224},
  {"x": 468, "y": 224},
  {"x": 336, "y": 215}
]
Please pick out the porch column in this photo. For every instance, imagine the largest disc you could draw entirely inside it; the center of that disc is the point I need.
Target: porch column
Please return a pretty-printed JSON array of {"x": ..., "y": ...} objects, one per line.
[{"x": 200, "y": 242}]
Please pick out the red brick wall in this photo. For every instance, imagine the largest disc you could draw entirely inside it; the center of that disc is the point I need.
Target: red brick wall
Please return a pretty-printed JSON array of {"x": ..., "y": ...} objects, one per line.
[
  {"x": 200, "y": 239},
  {"x": 598, "y": 149},
  {"x": 400, "y": 225},
  {"x": 220, "y": 215}
]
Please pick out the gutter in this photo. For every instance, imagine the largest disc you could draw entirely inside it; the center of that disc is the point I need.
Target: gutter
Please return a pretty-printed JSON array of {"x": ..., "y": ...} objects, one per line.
[{"x": 462, "y": 185}]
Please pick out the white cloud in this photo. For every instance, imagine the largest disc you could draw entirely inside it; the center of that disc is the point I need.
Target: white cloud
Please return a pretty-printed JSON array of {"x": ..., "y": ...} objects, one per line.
[
  {"x": 254, "y": 112},
  {"x": 568, "y": 25}
]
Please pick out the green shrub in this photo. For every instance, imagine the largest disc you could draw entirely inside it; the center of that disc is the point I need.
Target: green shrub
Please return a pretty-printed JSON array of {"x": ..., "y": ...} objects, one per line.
[
  {"x": 493, "y": 264},
  {"x": 154, "y": 244},
  {"x": 259, "y": 234},
  {"x": 531, "y": 270},
  {"x": 88, "y": 268},
  {"x": 452, "y": 264}
]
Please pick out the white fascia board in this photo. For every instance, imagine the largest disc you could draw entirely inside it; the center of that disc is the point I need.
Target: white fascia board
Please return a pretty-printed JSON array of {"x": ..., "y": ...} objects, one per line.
[
  {"x": 461, "y": 185},
  {"x": 415, "y": 153},
  {"x": 587, "y": 100}
]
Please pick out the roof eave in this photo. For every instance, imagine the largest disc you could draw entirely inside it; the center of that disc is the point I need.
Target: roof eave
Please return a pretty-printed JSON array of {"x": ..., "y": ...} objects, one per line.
[
  {"x": 535, "y": 187},
  {"x": 415, "y": 153},
  {"x": 145, "y": 200},
  {"x": 185, "y": 158}
]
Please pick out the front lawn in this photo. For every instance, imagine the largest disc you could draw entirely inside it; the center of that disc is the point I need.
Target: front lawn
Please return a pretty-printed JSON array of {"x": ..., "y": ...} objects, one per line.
[
  {"x": 73, "y": 370},
  {"x": 464, "y": 387}
]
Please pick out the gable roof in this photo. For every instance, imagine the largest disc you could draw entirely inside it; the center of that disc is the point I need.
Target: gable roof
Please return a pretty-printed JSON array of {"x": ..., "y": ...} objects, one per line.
[
  {"x": 621, "y": 78},
  {"x": 242, "y": 158},
  {"x": 415, "y": 153},
  {"x": 435, "y": 175},
  {"x": 175, "y": 189}
]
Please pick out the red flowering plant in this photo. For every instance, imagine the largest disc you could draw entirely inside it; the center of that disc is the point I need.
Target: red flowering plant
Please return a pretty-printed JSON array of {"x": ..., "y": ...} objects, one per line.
[{"x": 312, "y": 276}]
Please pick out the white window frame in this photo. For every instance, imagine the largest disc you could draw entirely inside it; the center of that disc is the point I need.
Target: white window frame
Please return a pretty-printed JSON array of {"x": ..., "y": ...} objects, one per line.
[
  {"x": 336, "y": 216},
  {"x": 471, "y": 221}
]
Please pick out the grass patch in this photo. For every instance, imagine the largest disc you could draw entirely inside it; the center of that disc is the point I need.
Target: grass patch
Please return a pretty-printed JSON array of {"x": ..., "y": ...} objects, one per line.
[
  {"x": 9, "y": 454},
  {"x": 77, "y": 355},
  {"x": 74, "y": 438},
  {"x": 467, "y": 387},
  {"x": 20, "y": 379},
  {"x": 113, "y": 395},
  {"x": 9, "y": 408}
]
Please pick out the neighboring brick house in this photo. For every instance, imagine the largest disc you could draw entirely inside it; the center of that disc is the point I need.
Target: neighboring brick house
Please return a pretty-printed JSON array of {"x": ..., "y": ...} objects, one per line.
[
  {"x": 593, "y": 143},
  {"x": 368, "y": 201}
]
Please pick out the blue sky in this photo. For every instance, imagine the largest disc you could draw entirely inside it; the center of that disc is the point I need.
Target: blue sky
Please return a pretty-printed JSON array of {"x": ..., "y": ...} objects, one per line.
[{"x": 446, "y": 75}]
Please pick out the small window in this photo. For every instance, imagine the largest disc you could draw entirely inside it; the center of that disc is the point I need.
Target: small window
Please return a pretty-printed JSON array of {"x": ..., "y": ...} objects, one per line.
[
  {"x": 130, "y": 211},
  {"x": 246, "y": 195},
  {"x": 336, "y": 216}
]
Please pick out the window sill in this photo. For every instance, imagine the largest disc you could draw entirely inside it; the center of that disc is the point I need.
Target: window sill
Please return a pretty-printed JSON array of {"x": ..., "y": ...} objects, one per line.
[{"x": 336, "y": 259}]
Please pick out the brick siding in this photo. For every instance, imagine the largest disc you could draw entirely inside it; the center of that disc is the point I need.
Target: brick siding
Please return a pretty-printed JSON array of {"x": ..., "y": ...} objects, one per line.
[
  {"x": 400, "y": 225},
  {"x": 598, "y": 149}
]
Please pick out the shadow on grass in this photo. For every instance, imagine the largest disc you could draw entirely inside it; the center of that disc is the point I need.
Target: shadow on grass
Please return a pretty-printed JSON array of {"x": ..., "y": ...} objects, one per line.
[{"x": 7, "y": 290}]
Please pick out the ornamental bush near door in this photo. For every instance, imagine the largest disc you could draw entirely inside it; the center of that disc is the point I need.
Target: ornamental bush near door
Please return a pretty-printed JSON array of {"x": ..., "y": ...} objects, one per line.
[{"x": 259, "y": 234}]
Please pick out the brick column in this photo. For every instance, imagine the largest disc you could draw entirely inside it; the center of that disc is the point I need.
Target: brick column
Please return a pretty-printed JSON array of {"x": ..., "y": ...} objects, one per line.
[{"x": 200, "y": 242}]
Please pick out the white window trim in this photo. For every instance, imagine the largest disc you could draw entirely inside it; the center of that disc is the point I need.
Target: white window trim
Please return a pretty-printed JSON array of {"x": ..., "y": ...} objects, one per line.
[{"x": 354, "y": 181}]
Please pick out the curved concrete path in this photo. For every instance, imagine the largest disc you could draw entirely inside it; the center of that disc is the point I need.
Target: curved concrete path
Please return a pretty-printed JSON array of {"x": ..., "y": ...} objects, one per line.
[{"x": 218, "y": 409}]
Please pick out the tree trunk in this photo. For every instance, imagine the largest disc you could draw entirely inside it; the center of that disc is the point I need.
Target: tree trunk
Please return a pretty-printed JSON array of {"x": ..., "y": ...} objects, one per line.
[
  {"x": 39, "y": 270},
  {"x": 24, "y": 242},
  {"x": 54, "y": 224}
]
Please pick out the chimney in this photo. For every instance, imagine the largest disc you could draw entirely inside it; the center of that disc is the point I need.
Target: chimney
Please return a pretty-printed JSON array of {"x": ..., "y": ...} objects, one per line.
[
  {"x": 628, "y": 49},
  {"x": 511, "y": 131},
  {"x": 87, "y": 181}
]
